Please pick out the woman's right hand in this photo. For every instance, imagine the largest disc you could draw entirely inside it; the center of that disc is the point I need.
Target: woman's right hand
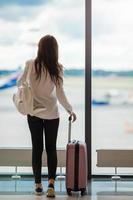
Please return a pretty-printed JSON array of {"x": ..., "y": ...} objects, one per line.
[{"x": 73, "y": 116}]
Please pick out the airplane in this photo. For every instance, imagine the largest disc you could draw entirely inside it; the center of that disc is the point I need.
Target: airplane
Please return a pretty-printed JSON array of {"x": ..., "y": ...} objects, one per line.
[{"x": 9, "y": 80}]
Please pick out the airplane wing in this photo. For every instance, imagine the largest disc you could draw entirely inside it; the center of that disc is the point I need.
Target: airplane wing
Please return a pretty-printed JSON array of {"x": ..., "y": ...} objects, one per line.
[{"x": 9, "y": 81}]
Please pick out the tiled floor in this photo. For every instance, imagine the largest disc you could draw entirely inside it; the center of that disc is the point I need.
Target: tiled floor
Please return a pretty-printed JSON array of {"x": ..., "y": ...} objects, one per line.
[
  {"x": 27, "y": 186},
  {"x": 24, "y": 189},
  {"x": 106, "y": 186},
  {"x": 64, "y": 197},
  {"x": 113, "y": 198},
  {"x": 98, "y": 189},
  {"x": 32, "y": 197}
]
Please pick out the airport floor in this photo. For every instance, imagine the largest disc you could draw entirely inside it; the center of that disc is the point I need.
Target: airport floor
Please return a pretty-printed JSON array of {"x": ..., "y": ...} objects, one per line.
[{"x": 97, "y": 189}]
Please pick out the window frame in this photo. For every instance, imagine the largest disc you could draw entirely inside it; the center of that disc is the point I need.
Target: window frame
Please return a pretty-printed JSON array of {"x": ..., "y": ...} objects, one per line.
[{"x": 88, "y": 83}]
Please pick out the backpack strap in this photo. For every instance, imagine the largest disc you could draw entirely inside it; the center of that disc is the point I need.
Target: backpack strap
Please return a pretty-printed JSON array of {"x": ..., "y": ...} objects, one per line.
[{"x": 29, "y": 68}]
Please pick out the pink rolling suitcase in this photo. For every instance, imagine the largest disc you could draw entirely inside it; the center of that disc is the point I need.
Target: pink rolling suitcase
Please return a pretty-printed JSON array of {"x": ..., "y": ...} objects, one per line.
[{"x": 76, "y": 165}]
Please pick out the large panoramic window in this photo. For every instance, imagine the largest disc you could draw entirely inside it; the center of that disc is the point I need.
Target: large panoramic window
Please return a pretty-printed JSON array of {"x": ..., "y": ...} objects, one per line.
[
  {"x": 112, "y": 78},
  {"x": 22, "y": 24}
]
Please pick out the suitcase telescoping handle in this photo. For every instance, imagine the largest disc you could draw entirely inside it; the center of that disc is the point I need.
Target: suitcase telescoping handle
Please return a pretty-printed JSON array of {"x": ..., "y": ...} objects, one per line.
[{"x": 69, "y": 128}]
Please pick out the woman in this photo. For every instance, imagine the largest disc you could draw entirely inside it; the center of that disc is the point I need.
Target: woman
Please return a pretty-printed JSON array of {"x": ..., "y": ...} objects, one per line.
[{"x": 46, "y": 81}]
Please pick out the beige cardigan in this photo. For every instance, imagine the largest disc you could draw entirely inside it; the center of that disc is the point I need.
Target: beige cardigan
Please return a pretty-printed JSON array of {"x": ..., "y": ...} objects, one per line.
[{"x": 45, "y": 93}]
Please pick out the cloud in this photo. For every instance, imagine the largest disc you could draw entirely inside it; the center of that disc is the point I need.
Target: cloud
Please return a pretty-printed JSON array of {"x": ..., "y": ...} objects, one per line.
[
  {"x": 23, "y": 26},
  {"x": 19, "y": 13},
  {"x": 112, "y": 34},
  {"x": 21, "y": 2}
]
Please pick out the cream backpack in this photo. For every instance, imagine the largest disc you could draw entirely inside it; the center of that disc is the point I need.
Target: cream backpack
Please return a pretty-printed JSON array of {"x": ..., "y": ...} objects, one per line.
[{"x": 23, "y": 98}]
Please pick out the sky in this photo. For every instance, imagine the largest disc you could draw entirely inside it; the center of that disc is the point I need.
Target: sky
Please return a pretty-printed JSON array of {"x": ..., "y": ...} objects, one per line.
[
  {"x": 112, "y": 33},
  {"x": 24, "y": 22}
]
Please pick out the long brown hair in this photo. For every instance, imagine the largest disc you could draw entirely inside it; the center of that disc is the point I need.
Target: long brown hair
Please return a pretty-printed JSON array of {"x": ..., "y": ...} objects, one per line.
[{"x": 47, "y": 59}]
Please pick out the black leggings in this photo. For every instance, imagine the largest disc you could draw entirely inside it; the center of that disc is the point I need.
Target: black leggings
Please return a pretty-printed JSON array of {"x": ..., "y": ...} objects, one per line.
[{"x": 50, "y": 126}]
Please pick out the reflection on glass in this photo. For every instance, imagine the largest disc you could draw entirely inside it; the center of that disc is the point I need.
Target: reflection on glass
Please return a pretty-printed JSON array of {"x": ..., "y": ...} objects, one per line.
[{"x": 112, "y": 88}]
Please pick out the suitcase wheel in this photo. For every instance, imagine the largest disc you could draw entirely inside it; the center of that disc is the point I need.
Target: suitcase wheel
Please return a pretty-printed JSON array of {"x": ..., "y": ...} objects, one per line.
[
  {"x": 83, "y": 191},
  {"x": 69, "y": 191}
]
